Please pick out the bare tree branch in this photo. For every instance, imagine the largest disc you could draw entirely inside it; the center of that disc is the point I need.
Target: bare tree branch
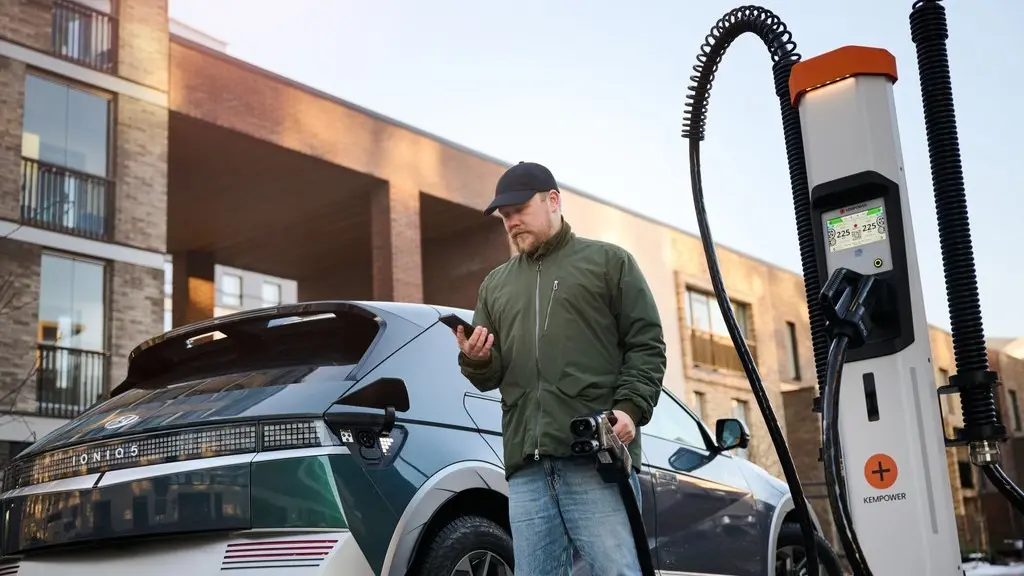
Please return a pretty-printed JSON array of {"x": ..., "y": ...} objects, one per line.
[{"x": 11, "y": 301}]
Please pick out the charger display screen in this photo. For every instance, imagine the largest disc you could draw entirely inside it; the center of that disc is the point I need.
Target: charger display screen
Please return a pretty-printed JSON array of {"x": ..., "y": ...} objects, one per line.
[{"x": 856, "y": 229}]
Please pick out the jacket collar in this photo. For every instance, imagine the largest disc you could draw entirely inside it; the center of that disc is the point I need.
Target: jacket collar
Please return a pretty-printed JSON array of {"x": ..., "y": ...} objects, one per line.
[{"x": 555, "y": 243}]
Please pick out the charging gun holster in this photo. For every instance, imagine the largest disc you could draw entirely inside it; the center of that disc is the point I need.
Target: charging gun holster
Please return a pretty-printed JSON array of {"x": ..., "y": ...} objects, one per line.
[{"x": 593, "y": 436}]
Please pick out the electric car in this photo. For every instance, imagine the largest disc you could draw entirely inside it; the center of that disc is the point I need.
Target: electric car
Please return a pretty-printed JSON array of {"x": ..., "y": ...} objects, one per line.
[{"x": 339, "y": 438}]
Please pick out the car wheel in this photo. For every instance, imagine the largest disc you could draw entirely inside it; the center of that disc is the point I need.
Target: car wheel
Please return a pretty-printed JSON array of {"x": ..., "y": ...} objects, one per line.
[
  {"x": 791, "y": 555},
  {"x": 469, "y": 546}
]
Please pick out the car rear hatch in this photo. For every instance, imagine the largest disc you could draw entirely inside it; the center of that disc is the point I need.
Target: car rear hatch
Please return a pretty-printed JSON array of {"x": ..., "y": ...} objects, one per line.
[{"x": 213, "y": 392}]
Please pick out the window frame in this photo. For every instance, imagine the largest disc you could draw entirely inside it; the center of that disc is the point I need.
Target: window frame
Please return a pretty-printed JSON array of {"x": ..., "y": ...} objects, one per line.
[
  {"x": 744, "y": 313},
  {"x": 741, "y": 453},
  {"x": 699, "y": 404},
  {"x": 263, "y": 294},
  {"x": 111, "y": 131},
  {"x": 105, "y": 266},
  {"x": 1014, "y": 409},
  {"x": 221, "y": 292},
  {"x": 106, "y": 298},
  {"x": 793, "y": 352}
]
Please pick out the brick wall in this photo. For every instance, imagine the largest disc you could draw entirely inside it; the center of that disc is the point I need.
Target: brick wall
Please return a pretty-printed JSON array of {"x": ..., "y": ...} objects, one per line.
[
  {"x": 1011, "y": 374},
  {"x": 141, "y": 157},
  {"x": 136, "y": 312},
  {"x": 253, "y": 102},
  {"x": 455, "y": 265},
  {"x": 803, "y": 435},
  {"x": 19, "y": 270},
  {"x": 395, "y": 244},
  {"x": 26, "y": 22},
  {"x": 143, "y": 46},
  {"x": 12, "y": 97}
]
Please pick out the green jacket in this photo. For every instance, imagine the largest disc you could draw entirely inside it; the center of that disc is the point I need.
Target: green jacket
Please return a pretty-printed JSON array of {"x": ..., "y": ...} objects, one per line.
[{"x": 576, "y": 331}]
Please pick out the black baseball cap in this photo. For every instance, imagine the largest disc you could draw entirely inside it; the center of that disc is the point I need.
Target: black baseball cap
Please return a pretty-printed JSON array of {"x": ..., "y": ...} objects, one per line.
[{"x": 520, "y": 183}]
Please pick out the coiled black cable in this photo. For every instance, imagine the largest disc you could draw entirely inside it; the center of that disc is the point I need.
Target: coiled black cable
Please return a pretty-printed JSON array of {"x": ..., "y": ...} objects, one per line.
[
  {"x": 779, "y": 41},
  {"x": 929, "y": 33},
  {"x": 973, "y": 379},
  {"x": 782, "y": 50}
]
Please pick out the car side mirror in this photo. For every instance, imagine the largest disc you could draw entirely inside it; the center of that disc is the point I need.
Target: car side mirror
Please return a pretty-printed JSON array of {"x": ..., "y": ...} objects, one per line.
[{"x": 731, "y": 433}]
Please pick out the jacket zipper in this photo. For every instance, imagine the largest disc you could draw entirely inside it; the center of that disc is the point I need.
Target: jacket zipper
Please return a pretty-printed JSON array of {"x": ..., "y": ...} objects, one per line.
[
  {"x": 536, "y": 358},
  {"x": 547, "y": 315}
]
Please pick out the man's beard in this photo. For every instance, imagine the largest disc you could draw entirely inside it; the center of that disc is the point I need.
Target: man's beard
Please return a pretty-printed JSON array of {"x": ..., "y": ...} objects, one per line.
[
  {"x": 528, "y": 242},
  {"x": 525, "y": 243}
]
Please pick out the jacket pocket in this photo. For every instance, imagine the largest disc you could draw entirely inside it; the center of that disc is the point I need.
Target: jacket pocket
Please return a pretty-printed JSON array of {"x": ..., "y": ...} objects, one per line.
[
  {"x": 585, "y": 385},
  {"x": 511, "y": 395}
]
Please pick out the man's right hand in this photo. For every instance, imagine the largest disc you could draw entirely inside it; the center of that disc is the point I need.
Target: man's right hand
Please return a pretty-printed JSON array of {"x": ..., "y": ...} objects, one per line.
[{"x": 478, "y": 345}]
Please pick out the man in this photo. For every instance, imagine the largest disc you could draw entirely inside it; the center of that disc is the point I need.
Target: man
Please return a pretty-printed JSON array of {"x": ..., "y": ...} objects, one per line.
[{"x": 565, "y": 328}]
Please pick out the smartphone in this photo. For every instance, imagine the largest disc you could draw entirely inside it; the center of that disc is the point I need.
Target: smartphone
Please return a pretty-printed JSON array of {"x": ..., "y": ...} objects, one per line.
[{"x": 452, "y": 321}]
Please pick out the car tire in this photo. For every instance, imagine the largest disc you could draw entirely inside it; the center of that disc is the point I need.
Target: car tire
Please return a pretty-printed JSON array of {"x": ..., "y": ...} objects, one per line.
[
  {"x": 790, "y": 544},
  {"x": 465, "y": 540}
]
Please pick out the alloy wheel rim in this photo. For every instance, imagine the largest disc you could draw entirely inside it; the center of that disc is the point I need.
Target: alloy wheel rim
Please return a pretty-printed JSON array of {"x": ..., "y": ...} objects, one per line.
[
  {"x": 481, "y": 563},
  {"x": 790, "y": 561}
]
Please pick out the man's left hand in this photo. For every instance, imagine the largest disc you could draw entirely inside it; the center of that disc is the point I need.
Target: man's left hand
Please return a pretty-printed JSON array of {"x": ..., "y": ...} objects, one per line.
[{"x": 624, "y": 427}]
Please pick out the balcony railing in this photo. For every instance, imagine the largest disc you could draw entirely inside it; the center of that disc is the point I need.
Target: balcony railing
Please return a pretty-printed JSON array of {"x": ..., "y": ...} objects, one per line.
[
  {"x": 716, "y": 351},
  {"x": 63, "y": 200},
  {"x": 85, "y": 36},
  {"x": 68, "y": 381}
]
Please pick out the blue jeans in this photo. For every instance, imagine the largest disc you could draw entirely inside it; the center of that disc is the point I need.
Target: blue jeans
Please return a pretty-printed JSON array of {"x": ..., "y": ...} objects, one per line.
[{"x": 557, "y": 505}]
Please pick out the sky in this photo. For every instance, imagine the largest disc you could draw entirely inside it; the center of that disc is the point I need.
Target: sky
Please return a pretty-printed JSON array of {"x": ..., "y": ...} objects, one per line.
[{"x": 596, "y": 91}]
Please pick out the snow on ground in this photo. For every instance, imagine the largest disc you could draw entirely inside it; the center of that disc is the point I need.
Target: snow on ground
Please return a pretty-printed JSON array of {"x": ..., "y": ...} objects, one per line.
[{"x": 986, "y": 569}]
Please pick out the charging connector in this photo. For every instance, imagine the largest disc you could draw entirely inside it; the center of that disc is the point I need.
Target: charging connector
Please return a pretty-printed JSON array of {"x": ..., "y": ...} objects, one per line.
[{"x": 845, "y": 301}]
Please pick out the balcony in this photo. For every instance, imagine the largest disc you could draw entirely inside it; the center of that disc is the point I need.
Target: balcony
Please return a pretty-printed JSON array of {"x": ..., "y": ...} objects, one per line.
[
  {"x": 716, "y": 351},
  {"x": 68, "y": 381},
  {"x": 84, "y": 36},
  {"x": 62, "y": 200}
]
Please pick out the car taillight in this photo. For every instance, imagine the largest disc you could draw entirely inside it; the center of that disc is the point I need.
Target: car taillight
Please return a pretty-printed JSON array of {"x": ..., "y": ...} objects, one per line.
[{"x": 287, "y": 435}]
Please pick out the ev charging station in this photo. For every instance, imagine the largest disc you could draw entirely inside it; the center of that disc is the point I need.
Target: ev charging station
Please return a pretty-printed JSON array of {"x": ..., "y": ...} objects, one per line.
[
  {"x": 889, "y": 420},
  {"x": 883, "y": 444}
]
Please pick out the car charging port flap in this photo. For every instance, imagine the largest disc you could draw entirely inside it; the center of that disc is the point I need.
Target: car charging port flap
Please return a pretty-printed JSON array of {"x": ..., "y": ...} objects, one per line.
[{"x": 365, "y": 420}]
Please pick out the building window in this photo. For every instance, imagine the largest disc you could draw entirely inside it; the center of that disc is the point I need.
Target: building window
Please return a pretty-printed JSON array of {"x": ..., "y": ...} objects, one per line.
[
  {"x": 271, "y": 294},
  {"x": 739, "y": 412},
  {"x": 944, "y": 400},
  {"x": 168, "y": 278},
  {"x": 65, "y": 183},
  {"x": 1014, "y": 409},
  {"x": 72, "y": 368},
  {"x": 698, "y": 405},
  {"x": 710, "y": 344},
  {"x": 966, "y": 470},
  {"x": 792, "y": 351},
  {"x": 231, "y": 290}
]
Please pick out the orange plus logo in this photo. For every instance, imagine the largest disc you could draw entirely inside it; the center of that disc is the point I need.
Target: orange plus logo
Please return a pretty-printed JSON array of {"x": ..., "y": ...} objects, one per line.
[{"x": 881, "y": 471}]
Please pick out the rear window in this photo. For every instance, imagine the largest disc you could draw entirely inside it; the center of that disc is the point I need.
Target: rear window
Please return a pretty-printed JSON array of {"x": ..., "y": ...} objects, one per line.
[{"x": 233, "y": 367}]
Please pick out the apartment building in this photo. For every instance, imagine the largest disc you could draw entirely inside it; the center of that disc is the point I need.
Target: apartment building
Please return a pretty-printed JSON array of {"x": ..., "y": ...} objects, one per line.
[{"x": 83, "y": 200}]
